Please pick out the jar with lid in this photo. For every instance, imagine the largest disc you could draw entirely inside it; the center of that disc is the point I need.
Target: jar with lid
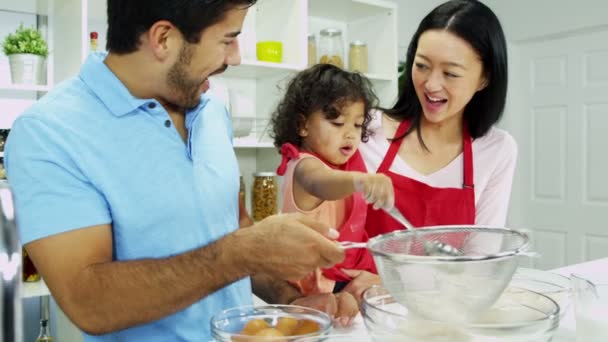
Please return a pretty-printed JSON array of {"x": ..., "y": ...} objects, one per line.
[
  {"x": 312, "y": 49},
  {"x": 357, "y": 57},
  {"x": 331, "y": 47},
  {"x": 30, "y": 274},
  {"x": 244, "y": 218},
  {"x": 264, "y": 195}
]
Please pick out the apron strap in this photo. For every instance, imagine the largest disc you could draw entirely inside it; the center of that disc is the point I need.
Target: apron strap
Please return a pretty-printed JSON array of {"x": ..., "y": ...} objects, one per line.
[
  {"x": 394, "y": 147},
  {"x": 467, "y": 151}
]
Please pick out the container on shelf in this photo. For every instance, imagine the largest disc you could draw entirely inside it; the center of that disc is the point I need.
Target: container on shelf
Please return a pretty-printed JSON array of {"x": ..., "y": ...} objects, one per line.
[
  {"x": 357, "y": 57},
  {"x": 94, "y": 38},
  {"x": 264, "y": 195},
  {"x": 312, "y": 49},
  {"x": 331, "y": 47},
  {"x": 30, "y": 273}
]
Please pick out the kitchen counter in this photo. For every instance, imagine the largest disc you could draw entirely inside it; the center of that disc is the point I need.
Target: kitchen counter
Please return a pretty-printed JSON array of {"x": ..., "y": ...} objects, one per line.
[{"x": 566, "y": 331}]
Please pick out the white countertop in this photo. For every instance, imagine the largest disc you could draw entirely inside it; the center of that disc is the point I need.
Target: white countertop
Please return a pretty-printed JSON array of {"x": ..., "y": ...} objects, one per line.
[{"x": 596, "y": 270}]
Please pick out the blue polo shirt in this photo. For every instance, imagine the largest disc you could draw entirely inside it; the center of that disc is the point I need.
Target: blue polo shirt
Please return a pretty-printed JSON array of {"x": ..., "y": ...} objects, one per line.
[{"x": 90, "y": 153}]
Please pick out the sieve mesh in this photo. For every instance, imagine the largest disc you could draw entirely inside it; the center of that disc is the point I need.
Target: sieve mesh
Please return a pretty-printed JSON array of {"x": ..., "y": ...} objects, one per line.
[{"x": 443, "y": 287}]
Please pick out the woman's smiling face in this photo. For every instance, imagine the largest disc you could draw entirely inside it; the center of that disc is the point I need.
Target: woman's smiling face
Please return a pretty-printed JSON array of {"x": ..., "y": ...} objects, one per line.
[{"x": 446, "y": 74}]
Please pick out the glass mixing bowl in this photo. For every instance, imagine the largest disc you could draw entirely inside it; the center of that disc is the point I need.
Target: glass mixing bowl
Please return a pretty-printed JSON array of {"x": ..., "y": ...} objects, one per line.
[
  {"x": 519, "y": 315},
  {"x": 269, "y": 323},
  {"x": 553, "y": 285}
]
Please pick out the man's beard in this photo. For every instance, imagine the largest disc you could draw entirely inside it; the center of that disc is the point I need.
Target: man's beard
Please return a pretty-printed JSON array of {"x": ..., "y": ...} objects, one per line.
[{"x": 187, "y": 90}]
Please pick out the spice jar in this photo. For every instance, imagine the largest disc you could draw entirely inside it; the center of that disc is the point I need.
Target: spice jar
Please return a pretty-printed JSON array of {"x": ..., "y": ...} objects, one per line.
[
  {"x": 331, "y": 48},
  {"x": 30, "y": 274},
  {"x": 312, "y": 50},
  {"x": 357, "y": 56},
  {"x": 94, "y": 36},
  {"x": 264, "y": 196},
  {"x": 244, "y": 218}
]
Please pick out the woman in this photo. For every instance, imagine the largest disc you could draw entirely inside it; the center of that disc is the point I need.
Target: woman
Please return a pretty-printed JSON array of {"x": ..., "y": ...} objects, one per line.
[{"x": 448, "y": 164}]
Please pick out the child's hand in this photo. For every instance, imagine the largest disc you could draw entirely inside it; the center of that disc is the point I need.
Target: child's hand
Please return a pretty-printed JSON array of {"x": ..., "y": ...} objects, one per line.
[
  {"x": 342, "y": 306},
  {"x": 362, "y": 280},
  {"x": 376, "y": 188}
]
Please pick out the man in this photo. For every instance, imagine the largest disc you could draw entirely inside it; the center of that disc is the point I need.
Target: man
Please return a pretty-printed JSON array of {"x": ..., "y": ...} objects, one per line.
[{"x": 126, "y": 184}]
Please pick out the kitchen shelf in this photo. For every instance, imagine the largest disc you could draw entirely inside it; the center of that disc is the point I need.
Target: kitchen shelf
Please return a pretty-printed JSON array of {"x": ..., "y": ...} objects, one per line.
[
  {"x": 35, "y": 289},
  {"x": 378, "y": 77},
  {"x": 257, "y": 69},
  {"x": 25, "y": 87},
  {"x": 348, "y": 10},
  {"x": 39, "y": 7},
  {"x": 251, "y": 143}
]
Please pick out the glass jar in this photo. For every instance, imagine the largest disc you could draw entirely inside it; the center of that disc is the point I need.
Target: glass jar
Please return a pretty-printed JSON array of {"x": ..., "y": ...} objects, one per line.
[
  {"x": 30, "y": 274},
  {"x": 244, "y": 218},
  {"x": 312, "y": 50},
  {"x": 264, "y": 195},
  {"x": 331, "y": 47},
  {"x": 357, "y": 57}
]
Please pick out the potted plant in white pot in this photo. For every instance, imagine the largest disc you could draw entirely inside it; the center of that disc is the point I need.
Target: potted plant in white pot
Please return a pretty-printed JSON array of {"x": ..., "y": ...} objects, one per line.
[{"x": 27, "y": 51}]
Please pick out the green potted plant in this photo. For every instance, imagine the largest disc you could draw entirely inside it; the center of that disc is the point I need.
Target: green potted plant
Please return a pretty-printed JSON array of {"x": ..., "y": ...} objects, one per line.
[{"x": 27, "y": 51}]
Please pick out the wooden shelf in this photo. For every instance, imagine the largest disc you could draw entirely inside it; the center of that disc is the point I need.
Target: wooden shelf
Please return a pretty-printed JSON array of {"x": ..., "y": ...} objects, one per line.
[
  {"x": 257, "y": 69},
  {"x": 35, "y": 289}
]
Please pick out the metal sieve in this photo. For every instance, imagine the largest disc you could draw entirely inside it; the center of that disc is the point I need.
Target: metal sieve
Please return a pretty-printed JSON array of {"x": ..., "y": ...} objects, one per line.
[{"x": 443, "y": 287}]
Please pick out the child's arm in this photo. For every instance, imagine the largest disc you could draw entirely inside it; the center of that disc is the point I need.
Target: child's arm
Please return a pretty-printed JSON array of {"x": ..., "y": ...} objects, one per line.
[{"x": 313, "y": 179}]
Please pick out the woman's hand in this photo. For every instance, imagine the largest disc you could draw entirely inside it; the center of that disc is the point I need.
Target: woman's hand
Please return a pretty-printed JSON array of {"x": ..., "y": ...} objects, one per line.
[
  {"x": 342, "y": 306},
  {"x": 362, "y": 280},
  {"x": 376, "y": 188}
]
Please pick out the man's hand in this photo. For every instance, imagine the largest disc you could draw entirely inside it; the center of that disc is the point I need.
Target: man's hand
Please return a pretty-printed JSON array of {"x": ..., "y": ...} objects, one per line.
[
  {"x": 288, "y": 246},
  {"x": 362, "y": 280},
  {"x": 342, "y": 306}
]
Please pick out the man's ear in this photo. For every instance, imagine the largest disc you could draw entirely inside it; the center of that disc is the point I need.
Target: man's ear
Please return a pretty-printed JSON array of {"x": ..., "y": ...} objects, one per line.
[{"x": 163, "y": 38}]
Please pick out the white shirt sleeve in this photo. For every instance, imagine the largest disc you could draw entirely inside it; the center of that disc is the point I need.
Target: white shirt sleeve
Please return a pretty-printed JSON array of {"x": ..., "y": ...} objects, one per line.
[{"x": 493, "y": 203}]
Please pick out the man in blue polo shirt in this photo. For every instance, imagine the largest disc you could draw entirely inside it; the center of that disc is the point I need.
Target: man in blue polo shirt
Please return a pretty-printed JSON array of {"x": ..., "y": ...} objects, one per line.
[{"x": 126, "y": 184}]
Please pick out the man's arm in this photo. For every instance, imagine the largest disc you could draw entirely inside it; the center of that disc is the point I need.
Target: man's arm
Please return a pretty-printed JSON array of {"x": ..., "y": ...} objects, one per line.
[{"x": 100, "y": 295}]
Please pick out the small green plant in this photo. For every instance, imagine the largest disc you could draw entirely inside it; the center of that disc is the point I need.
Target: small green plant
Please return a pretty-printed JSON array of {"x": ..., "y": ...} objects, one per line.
[{"x": 25, "y": 40}]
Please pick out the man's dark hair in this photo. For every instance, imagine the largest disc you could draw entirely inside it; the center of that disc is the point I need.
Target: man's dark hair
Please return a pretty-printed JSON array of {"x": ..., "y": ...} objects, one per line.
[{"x": 129, "y": 19}]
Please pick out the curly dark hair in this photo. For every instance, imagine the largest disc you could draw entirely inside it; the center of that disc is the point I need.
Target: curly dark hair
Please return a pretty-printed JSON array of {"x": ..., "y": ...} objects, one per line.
[{"x": 321, "y": 87}]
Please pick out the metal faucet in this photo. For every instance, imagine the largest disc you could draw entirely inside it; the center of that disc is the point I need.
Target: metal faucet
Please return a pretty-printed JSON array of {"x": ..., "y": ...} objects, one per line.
[{"x": 11, "y": 316}]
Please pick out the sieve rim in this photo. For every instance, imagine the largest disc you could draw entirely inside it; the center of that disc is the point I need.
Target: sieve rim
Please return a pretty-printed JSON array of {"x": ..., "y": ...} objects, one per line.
[{"x": 373, "y": 243}]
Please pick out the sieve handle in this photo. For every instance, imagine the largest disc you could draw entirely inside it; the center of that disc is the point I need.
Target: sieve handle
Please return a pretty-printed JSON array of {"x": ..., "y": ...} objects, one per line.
[{"x": 349, "y": 244}]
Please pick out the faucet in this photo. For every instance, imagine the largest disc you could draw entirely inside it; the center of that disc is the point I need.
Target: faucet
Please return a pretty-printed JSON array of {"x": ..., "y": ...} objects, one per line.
[{"x": 11, "y": 316}]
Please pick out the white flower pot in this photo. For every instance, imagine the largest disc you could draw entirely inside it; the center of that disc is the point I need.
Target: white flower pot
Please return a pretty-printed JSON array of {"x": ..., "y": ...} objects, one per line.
[{"x": 27, "y": 69}]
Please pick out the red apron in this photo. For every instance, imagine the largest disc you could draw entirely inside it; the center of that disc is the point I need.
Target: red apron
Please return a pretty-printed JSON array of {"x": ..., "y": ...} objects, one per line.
[
  {"x": 353, "y": 227},
  {"x": 421, "y": 204}
]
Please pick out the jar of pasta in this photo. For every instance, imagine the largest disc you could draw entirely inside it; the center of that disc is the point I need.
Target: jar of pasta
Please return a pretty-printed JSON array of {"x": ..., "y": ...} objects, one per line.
[
  {"x": 357, "y": 56},
  {"x": 264, "y": 195},
  {"x": 331, "y": 47}
]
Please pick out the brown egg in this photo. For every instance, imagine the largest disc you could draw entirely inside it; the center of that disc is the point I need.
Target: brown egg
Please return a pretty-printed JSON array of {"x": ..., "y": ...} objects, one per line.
[
  {"x": 306, "y": 326},
  {"x": 267, "y": 335},
  {"x": 254, "y": 326},
  {"x": 286, "y": 325},
  {"x": 269, "y": 332}
]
